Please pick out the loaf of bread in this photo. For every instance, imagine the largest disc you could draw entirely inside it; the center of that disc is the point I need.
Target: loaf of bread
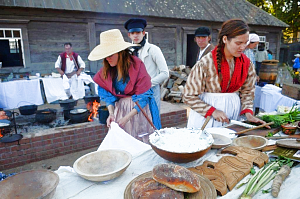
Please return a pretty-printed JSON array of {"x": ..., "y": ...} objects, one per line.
[
  {"x": 176, "y": 177},
  {"x": 147, "y": 188}
]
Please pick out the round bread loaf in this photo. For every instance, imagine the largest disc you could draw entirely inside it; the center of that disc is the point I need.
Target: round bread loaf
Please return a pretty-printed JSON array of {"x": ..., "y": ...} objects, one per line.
[
  {"x": 148, "y": 188},
  {"x": 176, "y": 177}
]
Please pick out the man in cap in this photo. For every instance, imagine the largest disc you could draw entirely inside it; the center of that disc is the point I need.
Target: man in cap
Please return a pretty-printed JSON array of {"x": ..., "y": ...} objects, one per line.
[
  {"x": 150, "y": 54},
  {"x": 252, "y": 43},
  {"x": 203, "y": 38}
]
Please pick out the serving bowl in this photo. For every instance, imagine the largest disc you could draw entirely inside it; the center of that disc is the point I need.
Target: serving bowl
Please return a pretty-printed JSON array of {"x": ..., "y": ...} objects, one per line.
[
  {"x": 39, "y": 184},
  {"x": 289, "y": 129},
  {"x": 102, "y": 165},
  {"x": 220, "y": 141},
  {"x": 204, "y": 143},
  {"x": 251, "y": 141}
]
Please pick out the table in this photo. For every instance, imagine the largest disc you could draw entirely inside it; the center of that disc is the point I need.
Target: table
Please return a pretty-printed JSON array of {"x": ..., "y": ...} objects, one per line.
[
  {"x": 144, "y": 159},
  {"x": 18, "y": 93},
  {"x": 269, "y": 97}
]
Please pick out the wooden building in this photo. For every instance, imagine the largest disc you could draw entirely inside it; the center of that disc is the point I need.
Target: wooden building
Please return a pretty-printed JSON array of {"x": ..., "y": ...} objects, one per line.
[{"x": 32, "y": 32}]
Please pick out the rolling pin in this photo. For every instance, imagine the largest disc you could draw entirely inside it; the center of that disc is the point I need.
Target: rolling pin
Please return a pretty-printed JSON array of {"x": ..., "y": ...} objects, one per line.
[{"x": 257, "y": 127}]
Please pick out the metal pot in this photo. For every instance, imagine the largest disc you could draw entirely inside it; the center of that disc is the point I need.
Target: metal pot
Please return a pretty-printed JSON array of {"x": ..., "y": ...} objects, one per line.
[
  {"x": 68, "y": 104},
  {"x": 45, "y": 116},
  {"x": 28, "y": 110},
  {"x": 103, "y": 114},
  {"x": 79, "y": 115},
  {"x": 91, "y": 98}
]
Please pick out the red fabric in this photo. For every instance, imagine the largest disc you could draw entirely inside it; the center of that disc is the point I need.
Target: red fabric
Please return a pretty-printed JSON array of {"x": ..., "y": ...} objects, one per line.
[
  {"x": 246, "y": 111},
  {"x": 139, "y": 82},
  {"x": 239, "y": 75},
  {"x": 64, "y": 57},
  {"x": 210, "y": 111}
]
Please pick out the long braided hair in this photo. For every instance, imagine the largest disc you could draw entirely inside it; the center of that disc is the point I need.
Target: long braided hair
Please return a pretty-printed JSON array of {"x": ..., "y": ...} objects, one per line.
[{"x": 231, "y": 29}]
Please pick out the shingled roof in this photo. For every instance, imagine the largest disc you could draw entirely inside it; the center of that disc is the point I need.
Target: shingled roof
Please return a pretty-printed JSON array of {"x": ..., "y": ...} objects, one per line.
[{"x": 206, "y": 10}]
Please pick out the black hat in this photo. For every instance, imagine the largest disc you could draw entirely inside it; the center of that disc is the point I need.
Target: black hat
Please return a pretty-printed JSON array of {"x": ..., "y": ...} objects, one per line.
[
  {"x": 202, "y": 31},
  {"x": 135, "y": 25}
]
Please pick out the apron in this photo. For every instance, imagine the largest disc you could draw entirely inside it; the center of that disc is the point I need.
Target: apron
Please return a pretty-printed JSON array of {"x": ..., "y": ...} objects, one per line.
[
  {"x": 229, "y": 103},
  {"x": 138, "y": 125}
]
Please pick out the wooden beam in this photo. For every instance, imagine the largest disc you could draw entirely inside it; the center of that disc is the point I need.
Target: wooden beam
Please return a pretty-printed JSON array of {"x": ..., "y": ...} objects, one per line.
[{"x": 92, "y": 44}]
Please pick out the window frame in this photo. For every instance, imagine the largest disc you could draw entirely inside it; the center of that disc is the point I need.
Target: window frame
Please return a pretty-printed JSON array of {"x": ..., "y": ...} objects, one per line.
[{"x": 13, "y": 37}]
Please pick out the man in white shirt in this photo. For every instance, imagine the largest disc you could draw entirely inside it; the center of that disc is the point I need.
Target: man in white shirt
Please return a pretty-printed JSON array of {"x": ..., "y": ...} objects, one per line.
[
  {"x": 69, "y": 63},
  {"x": 150, "y": 54},
  {"x": 203, "y": 38}
]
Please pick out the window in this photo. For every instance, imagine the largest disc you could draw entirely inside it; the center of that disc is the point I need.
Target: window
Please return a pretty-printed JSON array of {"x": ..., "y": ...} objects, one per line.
[{"x": 11, "y": 44}]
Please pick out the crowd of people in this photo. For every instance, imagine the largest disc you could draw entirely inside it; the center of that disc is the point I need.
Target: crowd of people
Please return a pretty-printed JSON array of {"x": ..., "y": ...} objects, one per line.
[{"x": 221, "y": 84}]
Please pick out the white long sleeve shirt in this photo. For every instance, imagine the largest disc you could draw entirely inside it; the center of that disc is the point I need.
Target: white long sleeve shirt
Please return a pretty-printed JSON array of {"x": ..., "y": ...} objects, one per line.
[
  {"x": 70, "y": 66},
  {"x": 155, "y": 63}
]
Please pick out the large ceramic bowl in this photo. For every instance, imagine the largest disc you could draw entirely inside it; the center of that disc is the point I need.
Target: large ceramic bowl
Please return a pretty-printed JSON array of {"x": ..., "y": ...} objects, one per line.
[
  {"x": 251, "y": 141},
  {"x": 205, "y": 139},
  {"x": 30, "y": 184},
  {"x": 102, "y": 165}
]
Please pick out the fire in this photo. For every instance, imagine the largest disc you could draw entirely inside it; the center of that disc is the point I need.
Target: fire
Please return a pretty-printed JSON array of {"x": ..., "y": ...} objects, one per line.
[
  {"x": 1, "y": 133},
  {"x": 93, "y": 108}
]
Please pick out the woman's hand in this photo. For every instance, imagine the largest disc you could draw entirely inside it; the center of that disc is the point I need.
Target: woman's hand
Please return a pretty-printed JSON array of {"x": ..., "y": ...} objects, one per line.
[
  {"x": 122, "y": 122},
  {"x": 254, "y": 119},
  {"x": 220, "y": 116},
  {"x": 110, "y": 119}
]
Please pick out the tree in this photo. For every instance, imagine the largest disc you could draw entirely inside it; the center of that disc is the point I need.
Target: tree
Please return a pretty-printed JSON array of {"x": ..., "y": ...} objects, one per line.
[{"x": 287, "y": 11}]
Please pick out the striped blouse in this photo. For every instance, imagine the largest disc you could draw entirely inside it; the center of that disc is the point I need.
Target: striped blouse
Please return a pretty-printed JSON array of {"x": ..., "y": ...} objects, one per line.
[{"x": 204, "y": 78}]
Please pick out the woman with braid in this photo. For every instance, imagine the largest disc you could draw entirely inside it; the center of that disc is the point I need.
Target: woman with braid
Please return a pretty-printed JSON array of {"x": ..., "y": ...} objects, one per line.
[{"x": 222, "y": 83}]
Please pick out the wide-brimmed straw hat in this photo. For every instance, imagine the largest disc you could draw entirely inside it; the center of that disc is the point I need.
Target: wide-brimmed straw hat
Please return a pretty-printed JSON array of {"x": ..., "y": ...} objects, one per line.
[
  {"x": 111, "y": 42},
  {"x": 297, "y": 55}
]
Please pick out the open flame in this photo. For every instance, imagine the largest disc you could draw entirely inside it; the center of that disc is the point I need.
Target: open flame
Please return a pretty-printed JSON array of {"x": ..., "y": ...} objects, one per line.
[
  {"x": 93, "y": 108},
  {"x": 1, "y": 130}
]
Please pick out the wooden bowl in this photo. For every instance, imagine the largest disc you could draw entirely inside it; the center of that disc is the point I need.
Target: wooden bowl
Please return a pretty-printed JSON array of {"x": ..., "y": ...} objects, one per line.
[
  {"x": 180, "y": 157},
  {"x": 30, "y": 184},
  {"x": 102, "y": 165},
  {"x": 289, "y": 129},
  {"x": 251, "y": 141},
  {"x": 220, "y": 141}
]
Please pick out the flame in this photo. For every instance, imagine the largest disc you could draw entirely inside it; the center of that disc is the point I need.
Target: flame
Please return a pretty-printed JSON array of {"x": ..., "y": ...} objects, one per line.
[
  {"x": 93, "y": 108},
  {"x": 1, "y": 133}
]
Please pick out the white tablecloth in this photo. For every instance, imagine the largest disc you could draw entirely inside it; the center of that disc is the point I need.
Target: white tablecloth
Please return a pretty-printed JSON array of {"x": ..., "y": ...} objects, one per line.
[
  {"x": 54, "y": 89},
  {"x": 269, "y": 97},
  {"x": 18, "y": 93},
  {"x": 144, "y": 159}
]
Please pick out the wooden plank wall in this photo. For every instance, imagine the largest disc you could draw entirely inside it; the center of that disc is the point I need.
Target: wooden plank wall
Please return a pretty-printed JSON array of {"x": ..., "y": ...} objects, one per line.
[{"x": 46, "y": 41}]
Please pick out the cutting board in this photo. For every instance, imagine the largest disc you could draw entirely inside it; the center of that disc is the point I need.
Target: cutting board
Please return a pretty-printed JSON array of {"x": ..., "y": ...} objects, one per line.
[{"x": 261, "y": 132}]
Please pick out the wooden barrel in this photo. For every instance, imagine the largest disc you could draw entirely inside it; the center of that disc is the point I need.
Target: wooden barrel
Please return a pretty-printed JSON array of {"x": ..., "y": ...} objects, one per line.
[{"x": 268, "y": 71}]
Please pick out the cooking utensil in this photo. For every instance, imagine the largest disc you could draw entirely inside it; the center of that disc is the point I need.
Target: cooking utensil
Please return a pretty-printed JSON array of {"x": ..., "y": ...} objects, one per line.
[
  {"x": 284, "y": 137},
  {"x": 206, "y": 191},
  {"x": 91, "y": 98},
  {"x": 28, "y": 110},
  {"x": 289, "y": 143},
  {"x": 205, "y": 122},
  {"x": 150, "y": 122},
  {"x": 248, "y": 126},
  {"x": 79, "y": 115},
  {"x": 220, "y": 141},
  {"x": 68, "y": 104},
  {"x": 45, "y": 116},
  {"x": 251, "y": 141},
  {"x": 102, "y": 165},
  {"x": 30, "y": 184},
  {"x": 257, "y": 127}
]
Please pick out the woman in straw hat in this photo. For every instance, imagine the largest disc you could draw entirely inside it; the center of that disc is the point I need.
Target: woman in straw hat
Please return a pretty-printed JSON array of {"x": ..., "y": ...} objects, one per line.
[
  {"x": 222, "y": 83},
  {"x": 122, "y": 81}
]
